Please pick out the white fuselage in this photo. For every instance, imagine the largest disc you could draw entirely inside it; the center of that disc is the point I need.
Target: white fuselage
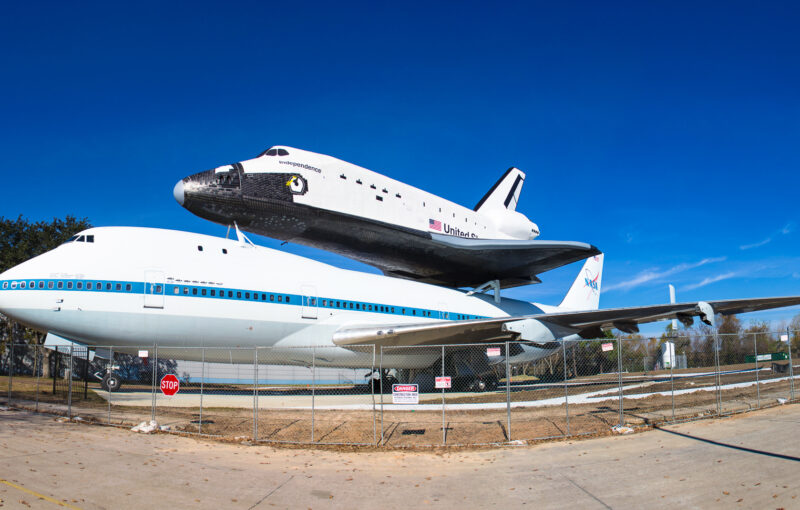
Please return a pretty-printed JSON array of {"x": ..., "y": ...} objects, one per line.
[
  {"x": 338, "y": 186},
  {"x": 135, "y": 287}
]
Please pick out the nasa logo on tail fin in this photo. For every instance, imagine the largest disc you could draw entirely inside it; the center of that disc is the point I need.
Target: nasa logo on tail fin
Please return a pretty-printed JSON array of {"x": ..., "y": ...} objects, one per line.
[
  {"x": 505, "y": 192},
  {"x": 585, "y": 291}
]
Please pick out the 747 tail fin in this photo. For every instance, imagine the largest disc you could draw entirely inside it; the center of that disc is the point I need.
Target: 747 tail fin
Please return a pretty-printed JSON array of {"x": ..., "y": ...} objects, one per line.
[{"x": 585, "y": 291}]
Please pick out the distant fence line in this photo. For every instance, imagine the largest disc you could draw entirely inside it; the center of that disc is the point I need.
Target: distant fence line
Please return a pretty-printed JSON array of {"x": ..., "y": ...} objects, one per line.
[{"x": 495, "y": 395}]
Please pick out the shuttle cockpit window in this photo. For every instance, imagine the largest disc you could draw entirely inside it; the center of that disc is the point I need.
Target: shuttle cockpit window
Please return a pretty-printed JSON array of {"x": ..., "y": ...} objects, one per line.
[{"x": 274, "y": 152}]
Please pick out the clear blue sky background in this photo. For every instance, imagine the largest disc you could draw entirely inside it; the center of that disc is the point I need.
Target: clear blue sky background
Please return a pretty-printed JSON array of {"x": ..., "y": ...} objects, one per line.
[{"x": 664, "y": 133}]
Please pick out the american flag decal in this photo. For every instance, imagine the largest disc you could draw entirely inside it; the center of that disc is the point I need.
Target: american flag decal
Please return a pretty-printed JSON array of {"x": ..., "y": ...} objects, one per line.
[{"x": 435, "y": 225}]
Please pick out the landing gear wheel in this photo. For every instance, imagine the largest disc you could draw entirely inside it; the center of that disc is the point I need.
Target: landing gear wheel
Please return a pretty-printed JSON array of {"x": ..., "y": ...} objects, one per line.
[
  {"x": 388, "y": 381},
  {"x": 112, "y": 382},
  {"x": 478, "y": 385},
  {"x": 103, "y": 383}
]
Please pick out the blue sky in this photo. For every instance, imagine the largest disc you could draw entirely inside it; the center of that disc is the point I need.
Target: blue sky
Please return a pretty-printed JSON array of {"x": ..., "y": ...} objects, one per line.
[{"x": 664, "y": 133}]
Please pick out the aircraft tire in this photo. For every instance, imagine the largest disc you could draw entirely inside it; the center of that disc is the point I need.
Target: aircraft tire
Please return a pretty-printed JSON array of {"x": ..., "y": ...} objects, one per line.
[
  {"x": 477, "y": 385},
  {"x": 387, "y": 384},
  {"x": 112, "y": 382}
]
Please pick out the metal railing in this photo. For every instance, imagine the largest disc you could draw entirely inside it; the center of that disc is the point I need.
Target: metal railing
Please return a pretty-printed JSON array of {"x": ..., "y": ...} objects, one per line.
[{"x": 467, "y": 394}]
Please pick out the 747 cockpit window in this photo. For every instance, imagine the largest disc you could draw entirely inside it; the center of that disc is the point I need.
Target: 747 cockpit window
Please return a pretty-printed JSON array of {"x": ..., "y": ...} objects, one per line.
[{"x": 80, "y": 239}]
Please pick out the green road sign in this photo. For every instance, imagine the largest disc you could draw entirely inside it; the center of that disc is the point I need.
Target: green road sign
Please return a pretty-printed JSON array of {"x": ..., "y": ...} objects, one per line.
[{"x": 775, "y": 356}]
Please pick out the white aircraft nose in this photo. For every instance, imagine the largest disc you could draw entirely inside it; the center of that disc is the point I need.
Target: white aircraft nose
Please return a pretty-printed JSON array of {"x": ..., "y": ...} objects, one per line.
[{"x": 177, "y": 192}]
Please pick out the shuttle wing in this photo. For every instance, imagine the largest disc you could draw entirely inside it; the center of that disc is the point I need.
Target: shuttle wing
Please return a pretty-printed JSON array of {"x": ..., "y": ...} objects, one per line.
[
  {"x": 460, "y": 262},
  {"x": 588, "y": 324}
]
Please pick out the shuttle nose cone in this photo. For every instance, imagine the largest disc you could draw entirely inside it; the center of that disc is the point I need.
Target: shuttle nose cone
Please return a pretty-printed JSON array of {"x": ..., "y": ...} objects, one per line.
[{"x": 177, "y": 192}]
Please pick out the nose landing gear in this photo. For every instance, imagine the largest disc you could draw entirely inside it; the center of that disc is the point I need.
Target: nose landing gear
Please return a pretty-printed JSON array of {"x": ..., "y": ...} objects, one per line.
[
  {"x": 111, "y": 382},
  {"x": 387, "y": 378}
]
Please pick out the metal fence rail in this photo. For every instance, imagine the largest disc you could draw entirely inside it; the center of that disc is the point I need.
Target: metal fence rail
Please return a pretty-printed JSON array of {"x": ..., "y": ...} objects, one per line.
[{"x": 467, "y": 394}]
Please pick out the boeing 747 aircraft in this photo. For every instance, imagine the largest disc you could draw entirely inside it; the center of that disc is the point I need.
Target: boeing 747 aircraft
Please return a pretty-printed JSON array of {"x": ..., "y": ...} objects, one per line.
[
  {"x": 320, "y": 201},
  {"x": 131, "y": 287}
]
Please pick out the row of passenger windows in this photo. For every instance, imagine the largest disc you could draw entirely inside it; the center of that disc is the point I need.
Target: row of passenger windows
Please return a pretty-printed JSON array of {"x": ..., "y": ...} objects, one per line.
[
  {"x": 69, "y": 285},
  {"x": 330, "y": 303},
  {"x": 231, "y": 294},
  {"x": 237, "y": 294}
]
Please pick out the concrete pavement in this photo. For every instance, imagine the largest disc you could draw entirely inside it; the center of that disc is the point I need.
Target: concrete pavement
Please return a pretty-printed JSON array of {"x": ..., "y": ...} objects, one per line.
[{"x": 748, "y": 461}]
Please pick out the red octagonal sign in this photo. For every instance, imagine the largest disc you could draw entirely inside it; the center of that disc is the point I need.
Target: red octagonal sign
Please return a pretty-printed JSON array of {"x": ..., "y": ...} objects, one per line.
[{"x": 170, "y": 385}]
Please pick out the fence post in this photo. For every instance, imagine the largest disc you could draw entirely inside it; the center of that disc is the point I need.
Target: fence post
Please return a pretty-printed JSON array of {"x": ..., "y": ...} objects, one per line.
[
  {"x": 313, "y": 387},
  {"x": 716, "y": 371},
  {"x": 109, "y": 370},
  {"x": 10, "y": 371},
  {"x": 758, "y": 389},
  {"x": 255, "y": 394},
  {"x": 37, "y": 351},
  {"x": 202, "y": 383},
  {"x": 69, "y": 385},
  {"x": 380, "y": 379},
  {"x": 86, "y": 376},
  {"x": 372, "y": 394},
  {"x": 155, "y": 383},
  {"x": 791, "y": 368},
  {"x": 56, "y": 354},
  {"x": 508, "y": 394},
  {"x": 444, "y": 423},
  {"x": 566, "y": 388},
  {"x": 619, "y": 378},
  {"x": 672, "y": 358}
]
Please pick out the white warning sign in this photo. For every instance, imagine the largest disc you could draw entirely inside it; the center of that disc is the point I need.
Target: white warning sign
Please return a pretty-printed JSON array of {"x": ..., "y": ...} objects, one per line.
[
  {"x": 608, "y": 347},
  {"x": 405, "y": 394},
  {"x": 443, "y": 382}
]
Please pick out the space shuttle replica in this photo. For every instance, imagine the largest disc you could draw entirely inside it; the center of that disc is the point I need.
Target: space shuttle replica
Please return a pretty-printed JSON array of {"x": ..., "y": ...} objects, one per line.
[{"x": 320, "y": 201}]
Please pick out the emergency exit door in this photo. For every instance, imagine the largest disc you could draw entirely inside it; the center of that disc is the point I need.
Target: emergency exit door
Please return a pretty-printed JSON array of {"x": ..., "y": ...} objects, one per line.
[
  {"x": 309, "y": 308},
  {"x": 154, "y": 289}
]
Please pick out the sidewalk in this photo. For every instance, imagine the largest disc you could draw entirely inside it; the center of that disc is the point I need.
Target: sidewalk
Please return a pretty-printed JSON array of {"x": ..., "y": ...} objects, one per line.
[{"x": 745, "y": 461}]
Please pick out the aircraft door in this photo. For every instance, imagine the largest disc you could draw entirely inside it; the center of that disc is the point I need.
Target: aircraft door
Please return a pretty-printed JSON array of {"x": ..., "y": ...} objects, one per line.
[
  {"x": 443, "y": 313},
  {"x": 309, "y": 308},
  {"x": 154, "y": 289}
]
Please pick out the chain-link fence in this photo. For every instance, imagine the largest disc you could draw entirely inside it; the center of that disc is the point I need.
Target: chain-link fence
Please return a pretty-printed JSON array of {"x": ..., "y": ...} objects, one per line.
[{"x": 467, "y": 394}]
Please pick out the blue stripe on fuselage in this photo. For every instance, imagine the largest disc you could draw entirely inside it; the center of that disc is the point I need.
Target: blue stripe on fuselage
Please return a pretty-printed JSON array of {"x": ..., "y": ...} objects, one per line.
[{"x": 218, "y": 292}]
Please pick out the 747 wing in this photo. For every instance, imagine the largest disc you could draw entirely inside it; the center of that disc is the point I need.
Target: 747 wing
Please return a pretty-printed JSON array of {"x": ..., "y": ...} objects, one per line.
[{"x": 544, "y": 328}]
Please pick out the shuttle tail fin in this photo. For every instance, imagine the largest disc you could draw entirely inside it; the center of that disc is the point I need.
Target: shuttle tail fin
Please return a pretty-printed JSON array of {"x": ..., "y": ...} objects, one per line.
[
  {"x": 585, "y": 291},
  {"x": 505, "y": 192}
]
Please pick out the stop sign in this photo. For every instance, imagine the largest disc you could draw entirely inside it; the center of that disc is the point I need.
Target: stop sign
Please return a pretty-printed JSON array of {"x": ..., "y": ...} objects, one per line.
[{"x": 170, "y": 385}]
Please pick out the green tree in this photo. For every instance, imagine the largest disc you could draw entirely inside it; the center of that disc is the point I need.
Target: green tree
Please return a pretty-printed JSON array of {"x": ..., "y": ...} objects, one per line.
[{"x": 21, "y": 240}]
